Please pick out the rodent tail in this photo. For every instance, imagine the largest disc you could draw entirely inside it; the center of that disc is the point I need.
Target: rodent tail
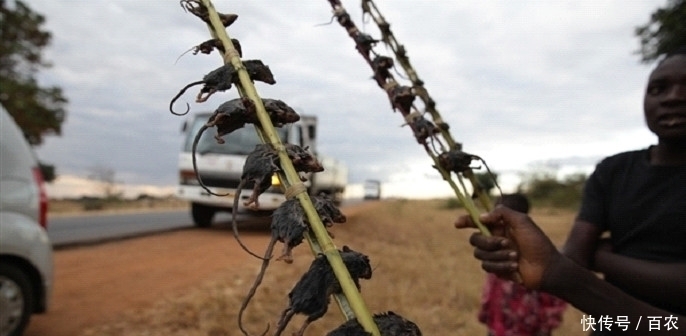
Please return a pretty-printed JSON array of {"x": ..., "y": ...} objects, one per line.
[
  {"x": 195, "y": 162},
  {"x": 188, "y": 107},
  {"x": 245, "y": 248},
  {"x": 283, "y": 322},
  {"x": 234, "y": 223},
  {"x": 185, "y": 52},
  {"x": 253, "y": 289}
]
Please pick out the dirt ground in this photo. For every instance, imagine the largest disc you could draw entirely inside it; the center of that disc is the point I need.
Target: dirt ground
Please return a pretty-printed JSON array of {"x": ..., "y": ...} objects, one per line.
[
  {"x": 98, "y": 284},
  {"x": 95, "y": 284},
  {"x": 190, "y": 282}
]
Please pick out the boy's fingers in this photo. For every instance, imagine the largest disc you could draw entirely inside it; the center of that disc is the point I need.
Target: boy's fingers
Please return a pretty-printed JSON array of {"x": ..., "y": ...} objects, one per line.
[
  {"x": 500, "y": 268},
  {"x": 495, "y": 256},
  {"x": 464, "y": 222},
  {"x": 492, "y": 243}
]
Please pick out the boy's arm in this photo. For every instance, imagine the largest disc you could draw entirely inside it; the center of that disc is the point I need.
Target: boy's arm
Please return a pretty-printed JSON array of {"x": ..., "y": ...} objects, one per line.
[
  {"x": 663, "y": 281},
  {"x": 581, "y": 288},
  {"x": 582, "y": 242}
]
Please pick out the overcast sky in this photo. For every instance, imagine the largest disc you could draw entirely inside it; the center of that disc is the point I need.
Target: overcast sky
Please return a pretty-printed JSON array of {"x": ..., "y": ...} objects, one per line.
[{"x": 519, "y": 82}]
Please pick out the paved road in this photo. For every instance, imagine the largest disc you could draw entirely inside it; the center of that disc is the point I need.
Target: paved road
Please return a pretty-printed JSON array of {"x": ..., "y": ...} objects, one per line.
[
  {"x": 86, "y": 229},
  {"x": 94, "y": 228}
]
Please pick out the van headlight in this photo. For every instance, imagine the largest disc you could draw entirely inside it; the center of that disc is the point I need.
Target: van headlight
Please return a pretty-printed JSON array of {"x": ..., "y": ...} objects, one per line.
[{"x": 275, "y": 180}]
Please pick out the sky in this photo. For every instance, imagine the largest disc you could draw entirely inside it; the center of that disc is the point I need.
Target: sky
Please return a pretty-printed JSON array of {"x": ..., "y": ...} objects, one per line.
[{"x": 522, "y": 84}]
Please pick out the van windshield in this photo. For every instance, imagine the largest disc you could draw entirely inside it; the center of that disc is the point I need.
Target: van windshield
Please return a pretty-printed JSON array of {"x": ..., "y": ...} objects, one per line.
[{"x": 241, "y": 141}]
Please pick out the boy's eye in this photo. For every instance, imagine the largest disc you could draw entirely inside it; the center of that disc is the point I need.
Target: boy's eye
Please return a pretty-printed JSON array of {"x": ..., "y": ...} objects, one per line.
[{"x": 656, "y": 89}]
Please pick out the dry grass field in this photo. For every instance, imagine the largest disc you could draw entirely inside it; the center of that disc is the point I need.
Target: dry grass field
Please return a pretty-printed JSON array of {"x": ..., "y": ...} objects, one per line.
[{"x": 424, "y": 270}]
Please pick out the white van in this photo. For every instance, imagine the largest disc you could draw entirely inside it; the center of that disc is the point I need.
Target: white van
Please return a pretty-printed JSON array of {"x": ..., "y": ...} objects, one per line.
[{"x": 220, "y": 167}]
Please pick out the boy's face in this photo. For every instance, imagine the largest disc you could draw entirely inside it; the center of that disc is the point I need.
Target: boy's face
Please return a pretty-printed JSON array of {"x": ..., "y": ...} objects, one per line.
[{"x": 664, "y": 103}]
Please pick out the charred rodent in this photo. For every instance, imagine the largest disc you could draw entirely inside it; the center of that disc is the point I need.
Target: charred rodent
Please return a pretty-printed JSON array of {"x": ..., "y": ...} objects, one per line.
[
  {"x": 381, "y": 66},
  {"x": 258, "y": 71},
  {"x": 287, "y": 227},
  {"x": 222, "y": 79},
  {"x": 311, "y": 294},
  {"x": 259, "y": 168},
  {"x": 208, "y": 46},
  {"x": 224, "y": 119},
  {"x": 289, "y": 224},
  {"x": 389, "y": 324},
  {"x": 197, "y": 8},
  {"x": 402, "y": 97},
  {"x": 264, "y": 161},
  {"x": 327, "y": 210},
  {"x": 291, "y": 215},
  {"x": 364, "y": 42},
  {"x": 458, "y": 161},
  {"x": 234, "y": 114},
  {"x": 302, "y": 160},
  {"x": 423, "y": 129},
  {"x": 260, "y": 165}
]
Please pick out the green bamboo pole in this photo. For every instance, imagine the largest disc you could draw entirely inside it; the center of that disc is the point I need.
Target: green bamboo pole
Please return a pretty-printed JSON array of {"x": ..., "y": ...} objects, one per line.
[
  {"x": 470, "y": 207},
  {"x": 368, "y": 6},
  {"x": 462, "y": 195},
  {"x": 351, "y": 296},
  {"x": 401, "y": 55}
]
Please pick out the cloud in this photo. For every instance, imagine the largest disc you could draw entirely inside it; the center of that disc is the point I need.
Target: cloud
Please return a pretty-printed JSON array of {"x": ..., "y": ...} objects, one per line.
[{"x": 518, "y": 82}]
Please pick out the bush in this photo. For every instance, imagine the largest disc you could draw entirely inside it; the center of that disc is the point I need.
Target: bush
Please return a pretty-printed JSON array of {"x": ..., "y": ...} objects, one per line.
[
  {"x": 547, "y": 190},
  {"x": 92, "y": 204}
]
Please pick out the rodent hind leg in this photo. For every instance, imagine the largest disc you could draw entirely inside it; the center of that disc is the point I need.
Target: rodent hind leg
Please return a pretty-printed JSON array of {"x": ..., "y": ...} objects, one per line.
[{"x": 286, "y": 254}]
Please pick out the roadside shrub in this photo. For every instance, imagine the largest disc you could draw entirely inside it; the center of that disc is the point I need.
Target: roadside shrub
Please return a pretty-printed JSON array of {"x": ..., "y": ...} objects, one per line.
[
  {"x": 92, "y": 204},
  {"x": 547, "y": 190}
]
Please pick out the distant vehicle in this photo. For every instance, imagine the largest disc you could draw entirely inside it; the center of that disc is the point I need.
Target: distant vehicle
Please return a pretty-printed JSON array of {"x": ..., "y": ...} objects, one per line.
[
  {"x": 372, "y": 189},
  {"x": 220, "y": 167},
  {"x": 26, "y": 260}
]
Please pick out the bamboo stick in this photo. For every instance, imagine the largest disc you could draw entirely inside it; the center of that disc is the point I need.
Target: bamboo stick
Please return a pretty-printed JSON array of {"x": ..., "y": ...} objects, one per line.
[
  {"x": 344, "y": 20},
  {"x": 322, "y": 242},
  {"x": 369, "y": 7}
]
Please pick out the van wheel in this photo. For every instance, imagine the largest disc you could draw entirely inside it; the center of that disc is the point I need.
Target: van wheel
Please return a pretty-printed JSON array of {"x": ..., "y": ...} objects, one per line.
[
  {"x": 202, "y": 215},
  {"x": 16, "y": 300}
]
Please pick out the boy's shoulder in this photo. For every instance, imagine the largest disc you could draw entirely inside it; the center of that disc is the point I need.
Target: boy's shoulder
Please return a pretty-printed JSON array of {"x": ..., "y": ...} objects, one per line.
[{"x": 625, "y": 157}]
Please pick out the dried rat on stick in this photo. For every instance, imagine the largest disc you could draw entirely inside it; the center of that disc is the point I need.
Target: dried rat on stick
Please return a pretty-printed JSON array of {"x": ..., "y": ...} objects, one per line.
[
  {"x": 370, "y": 9},
  {"x": 289, "y": 224},
  {"x": 235, "y": 114},
  {"x": 259, "y": 168},
  {"x": 208, "y": 46},
  {"x": 222, "y": 78},
  {"x": 345, "y": 291},
  {"x": 459, "y": 162},
  {"x": 197, "y": 8},
  {"x": 389, "y": 323},
  {"x": 310, "y": 296},
  {"x": 402, "y": 98},
  {"x": 381, "y": 66}
]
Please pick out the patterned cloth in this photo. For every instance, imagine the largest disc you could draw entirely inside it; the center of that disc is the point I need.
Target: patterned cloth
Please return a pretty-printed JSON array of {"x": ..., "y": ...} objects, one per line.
[{"x": 509, "y": 309}]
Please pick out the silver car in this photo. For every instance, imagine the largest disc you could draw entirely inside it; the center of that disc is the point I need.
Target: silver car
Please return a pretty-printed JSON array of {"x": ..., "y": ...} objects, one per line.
[{"x": 26, "y": 264}]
